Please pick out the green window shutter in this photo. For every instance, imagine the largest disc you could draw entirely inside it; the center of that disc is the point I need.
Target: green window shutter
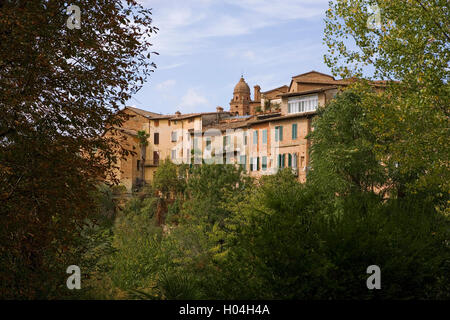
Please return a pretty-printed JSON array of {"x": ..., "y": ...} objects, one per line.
[
  {"x": 264, "y": 163},
  {"x": 255, "y": 137},
  {"x": 257, "y": 163},
  {"x": 264, "y": 136},
  {"x": 281, "y": 133},
  {"x": 279, "y": 161},
  {"x": 289, "y": 160},
  {"x": 294, "y": 131},
  {"x": 251, "y": 164},
  {"x": 276, "y": 134},
  {"x": 283, "y": 160}
]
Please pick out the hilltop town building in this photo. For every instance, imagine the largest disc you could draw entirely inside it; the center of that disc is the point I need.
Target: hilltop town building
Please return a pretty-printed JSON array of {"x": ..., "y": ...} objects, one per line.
[{"x": 262, "y": 135}]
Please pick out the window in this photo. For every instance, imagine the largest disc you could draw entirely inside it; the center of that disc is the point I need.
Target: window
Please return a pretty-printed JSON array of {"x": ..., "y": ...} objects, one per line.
[
  {"x": 264, "y": 163},
  {"x": 191, "y": 120},
  {"x": 226, "y": 141},
  {"x": 174, "y": 154},
  {"x": 138, "y": 164},
  {"x": 264, "y": 136},
  {"x": 208, "y": 143},
  {"x": 294, "y": 131},
  {"x": 156, "y": 123},
  {"x": 294, "y": 161},
  {"x": 255, "y": 137},
  {"x": 303, "y": 104},
  {"x": 281, "y": 160},
  {"x": 155, "y": 157},
  {"x": 245, "y": 138},
  {"x": 243, "y": 161},
  {"x": 156, "y": 138},
  {"x": 174, "y": 136},
  {"x": 256, "y": 164},
  {"x": 290, "y": 160},
  {"x": 279, "y": 133}
]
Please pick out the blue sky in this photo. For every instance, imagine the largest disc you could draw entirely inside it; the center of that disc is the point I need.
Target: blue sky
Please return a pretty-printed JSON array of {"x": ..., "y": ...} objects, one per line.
[{"x": 205, "y": 46}]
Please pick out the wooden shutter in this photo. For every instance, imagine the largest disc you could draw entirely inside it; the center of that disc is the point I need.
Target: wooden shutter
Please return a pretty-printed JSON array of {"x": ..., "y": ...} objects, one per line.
[{"x": 294, "y": 131}]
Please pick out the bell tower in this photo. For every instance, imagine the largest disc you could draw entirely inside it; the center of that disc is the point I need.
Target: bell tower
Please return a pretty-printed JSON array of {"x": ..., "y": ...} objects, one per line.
[{"x": 240, "y": 104}]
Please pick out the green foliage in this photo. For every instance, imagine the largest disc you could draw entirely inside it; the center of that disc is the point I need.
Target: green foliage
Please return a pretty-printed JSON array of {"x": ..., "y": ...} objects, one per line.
[
  {"x": 169, "y": 179},
  {"x": 342, "y": 151},
  {"x": 411, "y": 41},
  {"x": 285, "y": 244},
  {"x": 177, "y": 287},
  {"x": 137, "y": 243},
  {"x": 208, "y": 187},
  {"x": 279, "y": 239},
  {"x": 143, "y": 138},
  {"x": 410, "y": 122}
]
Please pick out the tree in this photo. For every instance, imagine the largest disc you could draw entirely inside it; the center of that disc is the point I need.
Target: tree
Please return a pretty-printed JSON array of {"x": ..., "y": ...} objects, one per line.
[
  {"x": 170, "y": 182},
  {"x": 208, "y": 187},
  {"x": 409, "y": 50},
  {"x": 59, "y": 92},
  {"x": 342, "y": 145}
]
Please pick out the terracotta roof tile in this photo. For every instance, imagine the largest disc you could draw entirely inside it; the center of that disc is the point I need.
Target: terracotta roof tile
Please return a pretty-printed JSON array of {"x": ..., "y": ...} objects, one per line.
[{"x": 144, "y": 113}]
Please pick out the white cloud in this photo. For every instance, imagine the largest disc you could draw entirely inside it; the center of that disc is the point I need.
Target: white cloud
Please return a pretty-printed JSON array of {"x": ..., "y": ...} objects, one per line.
[
  {"x": 191, "y": 101},
  {"x": 282, "y": 9},
  {"x": 165, "y": 85},
  {"x": 188, "y": 27},
  {"x": 170, "y": 66}
]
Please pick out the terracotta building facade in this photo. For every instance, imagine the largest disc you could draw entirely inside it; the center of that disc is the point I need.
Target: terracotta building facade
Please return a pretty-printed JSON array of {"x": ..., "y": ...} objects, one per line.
[{"x": 262, "y": 134}]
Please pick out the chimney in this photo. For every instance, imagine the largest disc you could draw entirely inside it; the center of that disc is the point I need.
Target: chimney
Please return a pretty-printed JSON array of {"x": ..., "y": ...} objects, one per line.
[
  {"x": 257, "y": 96},
  {"x": 178, "y": 113},
  {"x": 219, "y": 109}
]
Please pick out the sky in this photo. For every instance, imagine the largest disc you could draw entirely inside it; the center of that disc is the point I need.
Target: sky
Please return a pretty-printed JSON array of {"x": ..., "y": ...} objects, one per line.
[{"x": 205, "y": 46}]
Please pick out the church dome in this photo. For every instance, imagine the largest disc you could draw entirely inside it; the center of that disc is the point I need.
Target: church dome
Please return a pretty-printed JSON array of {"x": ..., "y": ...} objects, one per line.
[{"x": 242, "y": 87}]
